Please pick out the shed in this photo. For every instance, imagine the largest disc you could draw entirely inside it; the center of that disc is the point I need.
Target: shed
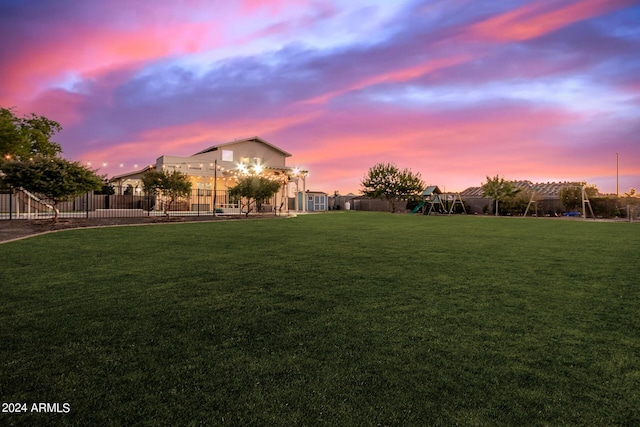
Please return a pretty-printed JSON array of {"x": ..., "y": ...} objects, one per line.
[{"x": 317, "y": 201}]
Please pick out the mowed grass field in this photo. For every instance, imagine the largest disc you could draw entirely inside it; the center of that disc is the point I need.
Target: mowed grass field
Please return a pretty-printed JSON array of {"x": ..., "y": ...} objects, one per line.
[{"x": 344, "y": 318}]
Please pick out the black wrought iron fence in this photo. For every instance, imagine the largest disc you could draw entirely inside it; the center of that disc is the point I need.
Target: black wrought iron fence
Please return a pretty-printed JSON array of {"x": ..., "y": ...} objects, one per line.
[{"x": 19, "y": 204}]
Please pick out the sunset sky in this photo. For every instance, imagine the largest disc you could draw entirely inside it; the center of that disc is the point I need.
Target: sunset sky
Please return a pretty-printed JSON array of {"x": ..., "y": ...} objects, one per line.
[{"x": 544, "y": 90}]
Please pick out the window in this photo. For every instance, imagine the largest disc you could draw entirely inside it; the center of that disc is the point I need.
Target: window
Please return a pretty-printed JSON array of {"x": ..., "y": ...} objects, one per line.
[{"x": 227, "y": 155}]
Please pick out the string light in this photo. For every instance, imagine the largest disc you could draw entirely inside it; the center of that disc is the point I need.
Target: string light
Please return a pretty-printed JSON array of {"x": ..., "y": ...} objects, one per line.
[{"x": 247, "y": 166}]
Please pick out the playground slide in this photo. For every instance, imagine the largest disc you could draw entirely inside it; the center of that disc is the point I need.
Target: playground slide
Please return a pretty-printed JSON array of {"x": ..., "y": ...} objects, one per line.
[{"x": 417, "y": 208}]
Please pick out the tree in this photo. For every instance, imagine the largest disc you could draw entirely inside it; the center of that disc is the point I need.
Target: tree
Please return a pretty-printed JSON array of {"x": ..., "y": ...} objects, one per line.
[
  {"x": 22, "y": 138},
  {"x": 107, "y": 189},
  {"x": 517, "y": 204},
  {"x": 171, "y": 185},
  {"x": 53, "y": 178},
  {"x": 498, "y": 189},
  {"x": 632, "y": 198},
  {"x": 255, "y": 189},
  {"x": 385, "y": 181},
  {"x": 631, "y": 193},
  {"x": 571, "y": 195}
]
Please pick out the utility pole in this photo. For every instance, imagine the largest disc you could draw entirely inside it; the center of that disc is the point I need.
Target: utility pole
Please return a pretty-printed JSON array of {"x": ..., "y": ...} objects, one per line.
[{"x": 617, "y": 195}]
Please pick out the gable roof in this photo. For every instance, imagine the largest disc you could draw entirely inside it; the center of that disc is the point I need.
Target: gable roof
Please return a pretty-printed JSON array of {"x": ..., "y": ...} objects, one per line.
[
  {"x": 253, "y": 138},
  {"x": 430, "y": 190},
  {"x": 132, "y": 175}
]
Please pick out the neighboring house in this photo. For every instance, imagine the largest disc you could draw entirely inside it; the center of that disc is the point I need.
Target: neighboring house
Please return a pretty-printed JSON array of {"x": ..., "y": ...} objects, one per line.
[
  {"x": 215, "y": 170},
  {"x": 546, "y": 197}
]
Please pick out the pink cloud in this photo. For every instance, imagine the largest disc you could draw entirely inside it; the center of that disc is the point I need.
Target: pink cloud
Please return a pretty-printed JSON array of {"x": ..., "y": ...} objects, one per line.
[
  {"x": 541, "y": 17},
  {"x": 89, "y": 50},
  {"x": 67, "y": 108},
  {"x": 395, "y": 76},
  {"x": 274, "y": 7}
]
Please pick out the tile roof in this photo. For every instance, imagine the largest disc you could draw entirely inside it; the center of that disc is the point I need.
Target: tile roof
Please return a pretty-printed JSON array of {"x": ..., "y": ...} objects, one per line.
[{"x": 549, "y": 189}]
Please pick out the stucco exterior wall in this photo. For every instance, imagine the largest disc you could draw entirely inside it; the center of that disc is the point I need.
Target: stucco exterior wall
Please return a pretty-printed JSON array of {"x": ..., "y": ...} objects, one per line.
[{"x": 249, "y": 151}]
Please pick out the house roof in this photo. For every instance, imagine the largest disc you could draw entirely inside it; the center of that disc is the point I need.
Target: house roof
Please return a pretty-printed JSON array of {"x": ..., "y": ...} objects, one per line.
[
  {"x": 472, "y": 192},
  {"x": 542, "y": 188},
  {"x": 132, "y": 174},
  {"x": 253, "y": 138}
]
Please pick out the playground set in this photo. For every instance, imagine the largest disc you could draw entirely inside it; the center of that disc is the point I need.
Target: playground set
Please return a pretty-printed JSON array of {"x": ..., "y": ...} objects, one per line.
[{"x": 438, "y": 202}]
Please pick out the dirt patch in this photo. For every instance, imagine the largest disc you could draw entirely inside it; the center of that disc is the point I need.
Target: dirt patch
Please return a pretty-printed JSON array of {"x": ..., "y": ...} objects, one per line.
[{"x": 20, "y": 228}]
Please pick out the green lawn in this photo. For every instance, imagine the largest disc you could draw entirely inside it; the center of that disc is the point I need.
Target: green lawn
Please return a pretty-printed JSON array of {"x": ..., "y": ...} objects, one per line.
[{"x": 345, "y": 318}]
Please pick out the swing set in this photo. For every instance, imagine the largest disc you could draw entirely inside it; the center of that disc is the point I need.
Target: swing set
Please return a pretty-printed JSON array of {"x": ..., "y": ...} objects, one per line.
[
  {"x": 440, "y": 201},
  {"x": 584, "y": 196}
]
